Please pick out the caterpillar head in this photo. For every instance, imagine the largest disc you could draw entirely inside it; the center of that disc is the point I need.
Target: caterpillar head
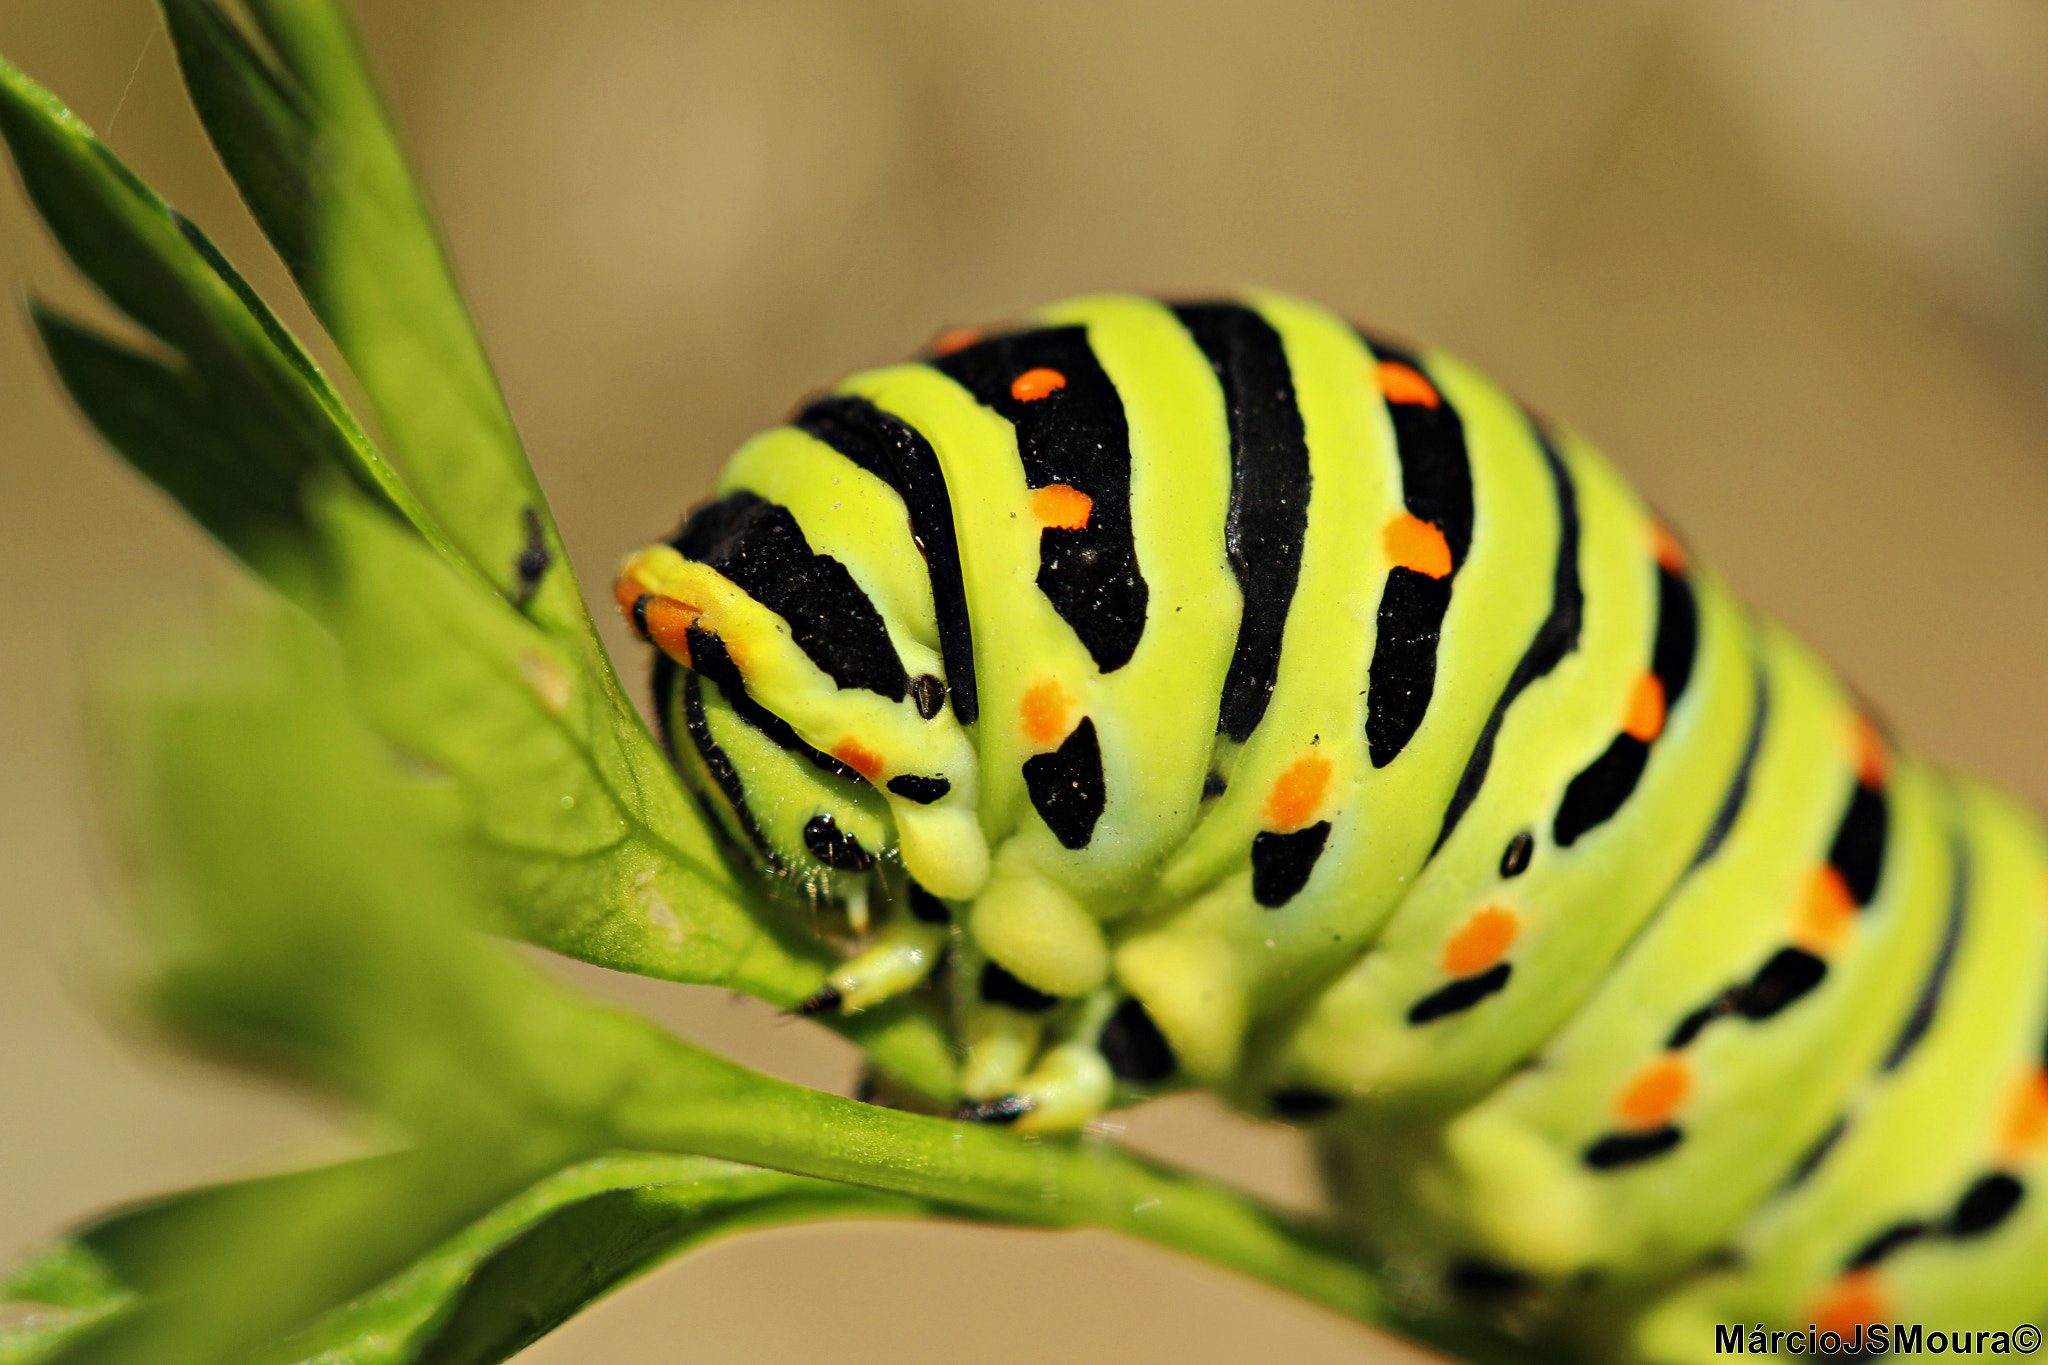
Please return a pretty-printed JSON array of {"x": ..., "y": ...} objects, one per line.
[{"x": 800, "y": 713}]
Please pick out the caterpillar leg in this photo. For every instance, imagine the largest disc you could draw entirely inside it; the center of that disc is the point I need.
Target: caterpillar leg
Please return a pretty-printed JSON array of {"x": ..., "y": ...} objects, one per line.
[
  {"x": 1070, "y": 1085},
  {"x": 1003, "y": 1023},
  {"x": 903, "y": 952},
  {"x": 1048, "y": 1066},
  {"x": 1038, "y": 962},
  {"x": 1173, "y": 1012},
  {"x": 1001, "y": 1042},
  {"x": 1034, "y": 1060}
]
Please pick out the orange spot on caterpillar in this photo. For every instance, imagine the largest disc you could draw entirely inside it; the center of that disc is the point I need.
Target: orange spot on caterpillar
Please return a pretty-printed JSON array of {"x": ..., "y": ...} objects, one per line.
[
  {"x": 1482, "y": 940},
  {"x": 859, "y": 757},
  {"x": 1644, "y": 719},
  {"x": 1827, "y": 914},
  {"x": 1851, "y": 1300},
  {"x": 954, "y": 339},
  {"x": 1873, "y": 755},
  {"x": 1654, "y": 1095},
  {"x": 668, "y": 626},
  {"x": 2026, "y": 1117},
  {"x": 1405, "y": 384},
  {"x": 1059, "y": 505},
  {"x": 1412, "y": 543},
  {"x": 1045, "y": 712},
  {"x": 1033, "y": 385},
  {"x": 626, "y": 591},
  {"x": 1298, "y": 794},
  {"x": 1670, "y": 554}
]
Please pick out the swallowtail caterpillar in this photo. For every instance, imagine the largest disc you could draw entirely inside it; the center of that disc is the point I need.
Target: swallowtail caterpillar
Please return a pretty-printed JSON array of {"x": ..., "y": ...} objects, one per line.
[{"x": 1230, "y": 698}]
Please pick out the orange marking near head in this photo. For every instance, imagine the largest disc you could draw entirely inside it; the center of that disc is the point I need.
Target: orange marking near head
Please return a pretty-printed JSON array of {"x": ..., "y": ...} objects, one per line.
[
  {"x": 1850, "y": 1300},
  {"x": 1062, "y": 506},
  {"x": 1033, "y": 385},
  {"x": 1644, "y": 719},
  {"x": 1413, "y": 543},
  {"x": 626, "y": 591},
  {"x": 859, "y": 757},
  {"x": 1299, "y": 793},
  {"x": 1481, "y": 941},
  {"x": 1405, "y": 384},
  {"x": 1655, "y": 1094},
  {"x": 1670, "y": 554},
  {"x": 1873, "y": 755},
  {"x": 2026, "y": 1118},
  {"x": 1046, "y": 711},
  {"x": 954, "y": 339},
  {"x": 1827, "y": 915},
  {"x": 668, "y": 626}
]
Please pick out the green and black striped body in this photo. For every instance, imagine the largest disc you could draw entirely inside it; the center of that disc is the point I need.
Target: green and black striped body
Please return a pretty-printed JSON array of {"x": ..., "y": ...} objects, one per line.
[{"x": 1234, "y": 699}]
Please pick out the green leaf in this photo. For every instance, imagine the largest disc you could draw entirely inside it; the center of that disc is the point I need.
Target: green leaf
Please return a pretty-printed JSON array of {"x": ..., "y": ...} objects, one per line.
[
  {"x": 299, "y": 124},
  {"x": 238, "y": 426},
  {"x": 231, "y": 379},
  {"x": 176, "y": 433},
  {"x": 576, "y": 1237},
  {"x": 309, "y": 908},
  {"x": 306, "y": 907},
  {"x": 114, "y": 1266},
  {"x": 582, "y": 827},
  {"x": 69, "y": 1290},
  {"x": 481, "y": 1295},
  {"x": 217, "y": 1275}
]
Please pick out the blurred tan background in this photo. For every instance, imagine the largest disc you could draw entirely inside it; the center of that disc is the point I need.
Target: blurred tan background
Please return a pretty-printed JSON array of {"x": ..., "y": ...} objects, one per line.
[{"x": 1787, "y": 262}]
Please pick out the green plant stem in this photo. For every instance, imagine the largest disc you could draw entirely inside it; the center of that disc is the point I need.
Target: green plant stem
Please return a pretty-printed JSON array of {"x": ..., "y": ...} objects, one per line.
[{"x": 720, "y": 1109}]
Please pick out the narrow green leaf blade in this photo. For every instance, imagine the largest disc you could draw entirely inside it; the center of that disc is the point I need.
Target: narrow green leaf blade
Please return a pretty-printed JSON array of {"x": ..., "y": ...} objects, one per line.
[
  {"x": 573, "y": 1239},
  {"x": 234, "y": 422},
  {"x": 215, "y": 1275},
  {"x": 120, "y": 1262},
  {"x": 244, "y": 490},
  {"x": 584, "y": 828},
  {"x": 561, "y": 1265},
  {"x": 589, "y": 825},
  {"x": 307, "y": 909},
  {"x": 250, "y": 1263},
  {"x": 304, "y": 133},
  {"x": 305, "y": 903},
  {"x": 480, "y": 1296},
  {"x": 257, "y": 119},
  {"x": 257, "y": 389},
  {"x": 59, "y": 1293}
]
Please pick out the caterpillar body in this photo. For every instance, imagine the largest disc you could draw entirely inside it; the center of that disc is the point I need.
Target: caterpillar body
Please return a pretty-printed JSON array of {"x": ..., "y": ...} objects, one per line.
[{"x": 1226, "y": 697}]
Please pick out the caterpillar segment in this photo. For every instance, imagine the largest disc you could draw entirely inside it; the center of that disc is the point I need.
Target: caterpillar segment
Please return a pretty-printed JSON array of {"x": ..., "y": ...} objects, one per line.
[
  {"x": 1226, "y": 697},
  {"x": 1713, "y": 1057},
  {"x": 1651, "y": 714},
  {"x": 1901, "y": 1213}
]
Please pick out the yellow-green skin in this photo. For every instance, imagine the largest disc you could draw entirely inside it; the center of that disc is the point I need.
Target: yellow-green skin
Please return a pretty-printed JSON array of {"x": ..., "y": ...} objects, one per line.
[{"x": 1458, "y": 1146}]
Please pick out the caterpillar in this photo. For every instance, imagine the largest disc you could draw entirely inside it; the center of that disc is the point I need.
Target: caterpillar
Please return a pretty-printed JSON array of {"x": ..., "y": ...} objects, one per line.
[{"x": 1214, "y": 694}]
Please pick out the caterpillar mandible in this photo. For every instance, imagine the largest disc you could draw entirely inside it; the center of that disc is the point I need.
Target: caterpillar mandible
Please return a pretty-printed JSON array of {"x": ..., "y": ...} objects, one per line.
[{"x": 1217, "y": 695}]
